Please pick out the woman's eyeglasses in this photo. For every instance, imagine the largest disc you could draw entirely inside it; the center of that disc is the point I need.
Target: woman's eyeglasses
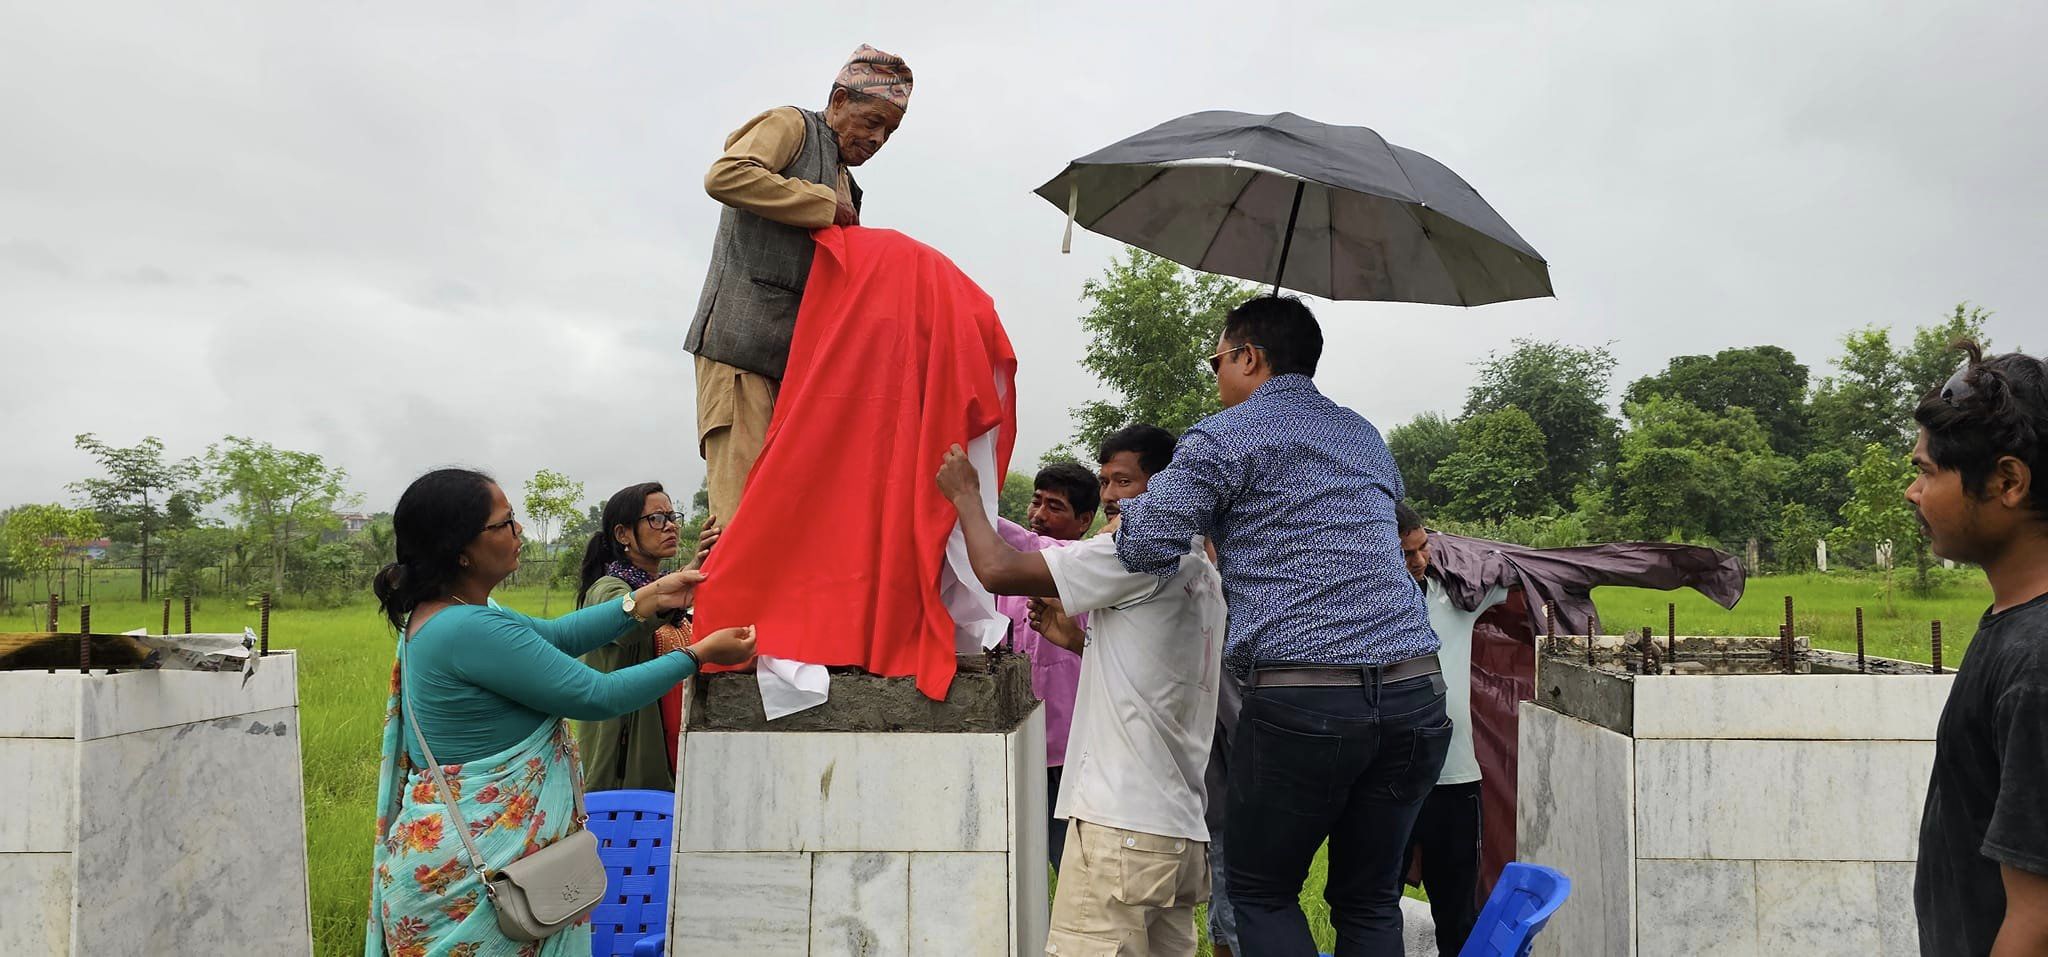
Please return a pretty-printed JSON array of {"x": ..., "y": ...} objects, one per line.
[
  {"x": 661, "y": 520},
  {"x": 510, "y": 520}
]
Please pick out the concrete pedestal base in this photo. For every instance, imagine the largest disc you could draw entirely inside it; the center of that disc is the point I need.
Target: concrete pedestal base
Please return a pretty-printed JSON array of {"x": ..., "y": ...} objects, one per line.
[
  {"x": 152, "y": 812},
  {"x": 1729, "y": 814},
  {"x": 877, "y": 844}
]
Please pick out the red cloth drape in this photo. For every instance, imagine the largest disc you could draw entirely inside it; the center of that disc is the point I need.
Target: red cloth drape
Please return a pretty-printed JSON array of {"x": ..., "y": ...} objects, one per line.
[{"x": 835, "y": 550}]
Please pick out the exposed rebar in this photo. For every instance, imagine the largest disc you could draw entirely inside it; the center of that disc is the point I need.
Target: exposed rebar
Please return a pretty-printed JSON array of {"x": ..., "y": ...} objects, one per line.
[
  {"x": 1860, "y": 664},
  {"x": 263, "y": 639},
  {"x": 167, "y": 616},
  {"x": 53, "y": 613},
  {"x": 84, "y": 639},
  {"x": 188, "y": 614},
  {"x": 1937, "y": 646},
  {"x": 1785, "y": 645},
  {"x": 1671, "y": 631}
]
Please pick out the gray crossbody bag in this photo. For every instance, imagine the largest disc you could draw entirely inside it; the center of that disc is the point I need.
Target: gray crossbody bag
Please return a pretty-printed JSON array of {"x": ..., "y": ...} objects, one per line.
[{"x": 543, "y": 893}]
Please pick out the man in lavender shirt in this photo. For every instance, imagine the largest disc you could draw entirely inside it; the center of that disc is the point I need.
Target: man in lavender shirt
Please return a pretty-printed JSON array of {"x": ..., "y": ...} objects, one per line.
[{"x": 1064, "y": 497}]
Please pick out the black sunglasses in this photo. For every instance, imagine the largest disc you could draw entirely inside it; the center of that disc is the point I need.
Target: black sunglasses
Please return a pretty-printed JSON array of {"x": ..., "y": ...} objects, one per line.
[{"x": 661, "y": 520}]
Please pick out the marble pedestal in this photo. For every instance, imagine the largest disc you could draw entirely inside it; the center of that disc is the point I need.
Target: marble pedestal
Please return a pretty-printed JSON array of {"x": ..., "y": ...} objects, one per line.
[
  {"x": 878, "y": 844},
  {"x": 1736, "y": 814},
  {"x": 152, "y": 812}
]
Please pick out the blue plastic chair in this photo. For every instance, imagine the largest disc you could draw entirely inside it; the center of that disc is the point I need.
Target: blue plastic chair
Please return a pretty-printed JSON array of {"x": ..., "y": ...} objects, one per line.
[
  {"x": 633, "y": 831},
  {"x": 1521, "y": 904}
]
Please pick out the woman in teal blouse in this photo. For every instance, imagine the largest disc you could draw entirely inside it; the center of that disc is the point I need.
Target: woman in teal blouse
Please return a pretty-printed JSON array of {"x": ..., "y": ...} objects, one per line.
[{"x": 490, "y": 688}]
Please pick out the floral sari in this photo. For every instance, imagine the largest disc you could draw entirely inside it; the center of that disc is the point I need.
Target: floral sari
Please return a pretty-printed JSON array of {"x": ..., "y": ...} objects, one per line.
[{"x": 425, "y": 900}]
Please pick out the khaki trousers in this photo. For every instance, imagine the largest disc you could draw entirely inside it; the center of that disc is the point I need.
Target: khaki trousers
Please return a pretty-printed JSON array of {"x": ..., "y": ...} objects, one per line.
[
  {"x": 733, "y": 409},
  {"x": 1127, "y": 894}
]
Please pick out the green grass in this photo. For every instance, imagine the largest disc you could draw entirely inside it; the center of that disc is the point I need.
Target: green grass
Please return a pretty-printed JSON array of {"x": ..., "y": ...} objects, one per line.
[{"x": 345, "y": 668}]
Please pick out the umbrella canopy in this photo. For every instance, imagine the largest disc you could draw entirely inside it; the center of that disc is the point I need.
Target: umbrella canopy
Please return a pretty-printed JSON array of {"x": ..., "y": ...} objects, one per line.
[{"x": 1332, "y": 211}]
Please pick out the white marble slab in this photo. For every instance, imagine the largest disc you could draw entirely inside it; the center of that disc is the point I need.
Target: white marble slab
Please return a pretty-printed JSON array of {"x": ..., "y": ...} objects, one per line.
[
  {"x": 38, "y": 704},
  {"x": 1704, "y": 908},
  {"x": 1030, "y": 808},
  {"x": 189, "y": 831},
  {"x": 41, "y": 783},
  {"x": 755, "y": 904},
  {"x": 145, "y": 700},
  {"x": 1818, "y": 908},
  {"x": 822, "y": 791},
  {"x": 860, "y": 904},
  {"x": 35, "y": 903},
  {"x": 1574, "y": 813},
  {"x": 1779, "y": 800},
  {"x": 1844, "y": 707},
  {"x": 956, "y": 902},
  {"x": 1898, "y": 929}
]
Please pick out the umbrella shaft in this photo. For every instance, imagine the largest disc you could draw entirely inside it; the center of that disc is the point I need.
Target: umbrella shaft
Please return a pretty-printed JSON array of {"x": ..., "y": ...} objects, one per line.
[{"x": 1287, "y": 238}]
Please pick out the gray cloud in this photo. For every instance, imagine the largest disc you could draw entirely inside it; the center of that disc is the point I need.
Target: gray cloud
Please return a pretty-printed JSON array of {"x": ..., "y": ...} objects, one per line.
[{"x": 473, "y": 233}]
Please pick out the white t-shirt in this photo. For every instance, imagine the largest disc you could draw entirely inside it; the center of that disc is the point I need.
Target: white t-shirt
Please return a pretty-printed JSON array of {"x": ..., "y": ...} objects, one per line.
[
  {"x": 1146, "y": 707},
  {"x": 1453, "y": 627}
]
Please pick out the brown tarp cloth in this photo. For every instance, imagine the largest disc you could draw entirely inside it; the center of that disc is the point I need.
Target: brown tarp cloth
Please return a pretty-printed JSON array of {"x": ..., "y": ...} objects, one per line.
[{"x": 1504, "y": 640}]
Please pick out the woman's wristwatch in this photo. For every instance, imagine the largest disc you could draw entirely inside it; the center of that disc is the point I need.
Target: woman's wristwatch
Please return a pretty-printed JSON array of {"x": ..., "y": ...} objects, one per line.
[{"x": 628, "y": 607}]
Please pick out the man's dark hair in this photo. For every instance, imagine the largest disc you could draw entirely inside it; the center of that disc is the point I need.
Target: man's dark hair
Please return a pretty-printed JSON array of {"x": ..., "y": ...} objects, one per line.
[
  {"x": 1405, "y": 518},
  {"x": 1993, "y": 408},
  {"x": 1153, "y": 445},
  {"x": 1072, "y": 479},
  {"x": 1282, "y": 328}
]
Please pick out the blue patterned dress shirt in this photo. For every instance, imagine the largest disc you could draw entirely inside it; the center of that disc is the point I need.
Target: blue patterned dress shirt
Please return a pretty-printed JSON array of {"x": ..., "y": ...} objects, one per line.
[{"x": 1297, "y": 493}]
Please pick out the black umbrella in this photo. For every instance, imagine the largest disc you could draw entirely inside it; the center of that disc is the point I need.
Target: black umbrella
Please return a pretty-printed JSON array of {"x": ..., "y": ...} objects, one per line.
[{"x": 1332, "y": 211}]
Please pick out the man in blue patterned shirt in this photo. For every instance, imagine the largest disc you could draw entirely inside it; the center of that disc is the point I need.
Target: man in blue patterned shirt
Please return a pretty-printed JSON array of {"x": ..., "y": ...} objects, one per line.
[{"x": 1343, "y": 729}]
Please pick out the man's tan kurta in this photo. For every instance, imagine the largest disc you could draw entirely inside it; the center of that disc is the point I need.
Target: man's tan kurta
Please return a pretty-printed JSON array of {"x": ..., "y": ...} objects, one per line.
[{"x": 734, "y": 405}]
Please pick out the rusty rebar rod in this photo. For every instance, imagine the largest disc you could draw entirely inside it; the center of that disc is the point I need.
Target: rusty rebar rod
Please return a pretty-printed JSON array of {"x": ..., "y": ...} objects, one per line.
[
  {"x": 84, "y": 639},
  {"x": 1671, "y": 631},
  {"x": 263, "y": 639},
  {"x": 188, "y": 614},
  {"x": 1860, "y": 664},
  {"x": 167, "y": 616},
  {"x": 1649, "y": 645},
  {"x": 1785, "y": 645},
  {"x": 53, "y": 612},
  {"x": 1791, "y": 626},
  {"x": 1937, "y": 646}
]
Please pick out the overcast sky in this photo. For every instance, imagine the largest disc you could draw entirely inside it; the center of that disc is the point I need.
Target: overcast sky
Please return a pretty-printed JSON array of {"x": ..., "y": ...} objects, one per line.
[{"x": 407, "y": 235}]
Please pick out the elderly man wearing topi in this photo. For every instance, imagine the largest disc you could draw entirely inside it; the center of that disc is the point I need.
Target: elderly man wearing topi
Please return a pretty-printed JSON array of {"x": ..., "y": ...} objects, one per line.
[{"x": 782, "y": 175}]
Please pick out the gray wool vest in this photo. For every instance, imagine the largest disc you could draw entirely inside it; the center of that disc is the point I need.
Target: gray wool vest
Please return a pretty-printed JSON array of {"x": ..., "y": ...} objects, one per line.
[{"x": 747, "y": 312}]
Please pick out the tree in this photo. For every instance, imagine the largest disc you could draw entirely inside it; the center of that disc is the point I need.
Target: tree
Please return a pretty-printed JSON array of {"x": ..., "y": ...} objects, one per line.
[
  {"x": 1015, "y": 498},
  {"x": 1932, "y": 358},
  {"x": 1792, "y": 543},
  {"x": 285, "y": 498},
  {"x": 1563, "y": 390},
  {"x": 1688, "y": 474},
  {"x": 1820, "y": 481},
  {"x": 1419, "y": 447},
  {"x": 551, "y": 499},
  {"x": 38, "y": 535},
  {"x": 1767, "y": 380},
  {"x": 189, "y": 552},
  {"x": 141, "y": 492},
  {"x": 1865, "y": 401},
  {"x": 1877, "y": 511},
  {"x": 1497, "y": 471},
  {"x": 1151, "y": 325}
]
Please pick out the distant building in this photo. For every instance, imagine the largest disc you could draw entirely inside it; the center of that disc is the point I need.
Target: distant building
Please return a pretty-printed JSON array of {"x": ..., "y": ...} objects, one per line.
[
  {"x": 353, "y": 522},
  {"x": 95, "y": 549}
]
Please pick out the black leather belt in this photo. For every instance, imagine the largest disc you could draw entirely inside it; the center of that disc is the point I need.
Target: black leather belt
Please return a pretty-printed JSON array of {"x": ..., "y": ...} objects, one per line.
[{"x": 1341, "y": 676}]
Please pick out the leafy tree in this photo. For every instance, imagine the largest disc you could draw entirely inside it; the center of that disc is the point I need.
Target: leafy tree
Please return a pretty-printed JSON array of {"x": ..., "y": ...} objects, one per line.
[
  {"x": 1689, "y": 474},
  {"x": 551, "y": 499},
  {"x": 141, "y": 493},
  {"x": 1792, "y": 543},
  {"x": 1419, "y": 447},
  {"x": 1931, "y": 359},
  {"x": 1015, "y": 498},
  {"x": 1562, "y": 389},
  {"x": 1151, "y": 325},
  {"x": 1497, "y": 471},
  {"x": 286, "y": 499},
  {"x": 37, "y": 535},
  {"x": 1877, "y": 510},
  {"x": 1865, "y": 401},
  {"x": 1767, "y": 380},
  {"x": 189, "y": 552},
  {"x": 1820, "y": 481}
]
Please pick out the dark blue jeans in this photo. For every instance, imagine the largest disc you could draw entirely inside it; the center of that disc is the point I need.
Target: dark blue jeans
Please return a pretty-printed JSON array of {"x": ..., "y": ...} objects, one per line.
[{"x": 1347, "y": 765}]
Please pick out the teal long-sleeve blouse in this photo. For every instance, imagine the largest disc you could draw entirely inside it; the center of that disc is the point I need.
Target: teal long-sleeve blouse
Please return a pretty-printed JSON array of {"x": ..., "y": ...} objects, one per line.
[{"x": 483, "y": 678}]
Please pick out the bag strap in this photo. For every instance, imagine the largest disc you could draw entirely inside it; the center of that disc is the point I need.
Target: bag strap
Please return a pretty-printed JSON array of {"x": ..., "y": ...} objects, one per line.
[{"x": 476, "y": 857}]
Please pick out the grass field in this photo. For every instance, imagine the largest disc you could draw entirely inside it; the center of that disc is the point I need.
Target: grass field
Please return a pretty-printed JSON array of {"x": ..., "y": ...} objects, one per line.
[{"x": 345, "y": 665}]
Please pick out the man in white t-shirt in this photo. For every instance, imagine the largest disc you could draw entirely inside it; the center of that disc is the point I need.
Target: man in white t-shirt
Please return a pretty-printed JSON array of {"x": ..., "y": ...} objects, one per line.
[
  {"x": 1447, "y": 830},
  {"x": 1136, "y": 860}
]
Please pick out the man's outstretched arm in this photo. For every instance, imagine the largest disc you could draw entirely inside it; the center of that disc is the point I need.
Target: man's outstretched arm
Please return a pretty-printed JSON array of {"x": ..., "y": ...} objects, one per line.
[{"x": 1002, "y": 570}]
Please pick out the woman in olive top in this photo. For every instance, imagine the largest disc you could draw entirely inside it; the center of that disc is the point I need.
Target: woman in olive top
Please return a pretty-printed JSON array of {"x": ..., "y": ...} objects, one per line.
[
  {"x": 489, "y": 689},
  {"x": 638, "y": 533}
]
